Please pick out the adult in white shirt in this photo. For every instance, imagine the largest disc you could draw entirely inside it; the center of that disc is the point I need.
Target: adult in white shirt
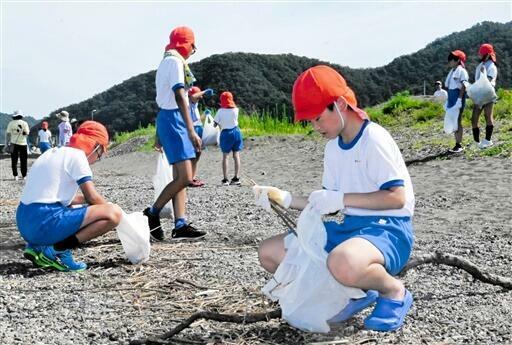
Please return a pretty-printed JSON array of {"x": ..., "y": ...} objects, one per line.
[
  {"x": 44, "y": 137},
  {"x": 440, "y": 94},
  {"x": 16, "y": 135},
  {"x": 65, "y": 219},
  {"x": 487, "y": 64},
  {"x": 65, "y": 129}
]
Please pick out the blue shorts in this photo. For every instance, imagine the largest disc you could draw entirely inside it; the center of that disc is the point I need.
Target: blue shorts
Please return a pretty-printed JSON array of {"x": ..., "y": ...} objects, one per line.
[
  {"x": 231, "y": 140},
  {"x": 55, "y": 222},
  {"x": 44, "y": 146},
  {"x": 453, "y": 94},
  {"x": 393, "y": 236},
  {"x": 199, "y": 130},
  {"x": 173, "y": 135}
]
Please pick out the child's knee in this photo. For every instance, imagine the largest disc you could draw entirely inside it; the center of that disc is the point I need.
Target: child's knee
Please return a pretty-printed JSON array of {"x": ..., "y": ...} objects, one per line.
[
  {"x": 266, "y": 255},
  {"x": 115, "y": 214},
  {"x": 344, "y": 268}
]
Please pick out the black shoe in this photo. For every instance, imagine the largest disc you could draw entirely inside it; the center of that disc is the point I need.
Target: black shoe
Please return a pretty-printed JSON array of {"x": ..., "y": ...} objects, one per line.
[
  {"x": 225, "y": 182},
  {"x": 235, "y": 181},
  {"x": 186, "y": 232},
  {"x": 155, "y": 228},
  {"x": 456, "y": 149}
]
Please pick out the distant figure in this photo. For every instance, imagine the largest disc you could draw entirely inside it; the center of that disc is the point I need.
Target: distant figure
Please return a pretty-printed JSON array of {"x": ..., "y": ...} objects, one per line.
[
  {"x": 487, "y": 63},
  {"x": 74, "y": 124},
  {"x": 44, "y": 137},
  {"x": 231, "y": 139},
  {"x": 65, "y": 130},
  {"x": 65, "y": 219},
  {"x": 175, "y": 133},
  {"x": 457, "y": 91},
  {"x": 194, "y": 95},
  {"x": 16, "y": 135},
  {"x": 440, "y": 94}
]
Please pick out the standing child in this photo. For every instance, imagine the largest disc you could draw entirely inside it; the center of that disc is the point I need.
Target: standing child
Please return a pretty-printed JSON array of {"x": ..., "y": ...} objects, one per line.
[
  {"x": 366, "y": 178},
  {"x": 194, "y": 95},
  {"x": 44, "y": 137},
  {"x": 175, "y": 133},
  {"x": 231, "y": 139},
  {"x": 457, "y": 91},
  {"x": 65, "y": 130},
  {"x": 487, "y": 63},
  {"x": 51, "y": 216}
]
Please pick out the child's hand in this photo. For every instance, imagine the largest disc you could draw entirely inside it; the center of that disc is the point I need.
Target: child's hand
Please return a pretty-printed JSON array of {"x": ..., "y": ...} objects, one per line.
[
  {"x": 196, "y": 141},
  {"x": 326, "y": 201},
  {"x": 264, "y": 193}
]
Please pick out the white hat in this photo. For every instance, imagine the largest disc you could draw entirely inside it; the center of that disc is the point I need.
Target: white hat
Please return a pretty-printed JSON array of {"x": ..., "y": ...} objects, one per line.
[
  {"x": 63, "y": 115},
  {"x": 73, "y": 120},
  {"x": 17, "y": 113}
]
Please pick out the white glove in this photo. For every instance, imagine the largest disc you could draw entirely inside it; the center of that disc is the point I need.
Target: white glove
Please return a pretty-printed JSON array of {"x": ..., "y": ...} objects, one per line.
[
  {"x": 326, "y": 201},
  {"x": 264, "y": 193},
  {"x": 458, "y": 104}
]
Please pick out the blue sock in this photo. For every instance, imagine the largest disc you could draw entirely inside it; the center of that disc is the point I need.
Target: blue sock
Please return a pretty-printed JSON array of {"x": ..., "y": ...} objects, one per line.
[
  {"x": 180, "y": 222},
  {"x": 155, "y": 211}
]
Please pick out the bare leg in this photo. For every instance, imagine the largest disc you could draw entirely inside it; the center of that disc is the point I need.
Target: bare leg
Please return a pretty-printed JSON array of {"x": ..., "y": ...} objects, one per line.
[
  {"x": 225, "y": 165},
  {"x": 358, "y": 263},
  {"x": 458, "y": 133},
  {"x": 271, "y": 252},
  {"x": 194, "y": 164},
  {"x": 488, "y": 111},
  {"x": 175, "y": 190},
  {"x": 98, "y": 220},
  {"x": 236, "y": 158}
]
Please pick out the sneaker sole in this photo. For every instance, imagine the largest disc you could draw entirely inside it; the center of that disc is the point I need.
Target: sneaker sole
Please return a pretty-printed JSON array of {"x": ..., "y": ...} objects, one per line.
[
  {"x": 187, "y": 239},
  {"x": 34, "y": 258}
]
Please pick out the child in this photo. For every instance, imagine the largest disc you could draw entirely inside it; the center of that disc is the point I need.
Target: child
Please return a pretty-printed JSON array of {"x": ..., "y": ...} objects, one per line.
[
  {"x": 230, "y": 136},
  {"x": 44, "y": 137},
  {"x": 16, "y": 135},
  {"x": 487, "y": 62},
  {"x": 49, "y": 197},
  {"x": 194, "y": 95},
  {"x": 175, "y": 133},
  {"x": 365, "y": 177},
  {"x": 457, "y": 91},
  {"x": 65, "y": 130}
]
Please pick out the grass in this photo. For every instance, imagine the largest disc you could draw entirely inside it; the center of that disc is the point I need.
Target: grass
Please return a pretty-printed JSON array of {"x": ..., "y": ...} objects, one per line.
[{"x": 401, "y": 112}]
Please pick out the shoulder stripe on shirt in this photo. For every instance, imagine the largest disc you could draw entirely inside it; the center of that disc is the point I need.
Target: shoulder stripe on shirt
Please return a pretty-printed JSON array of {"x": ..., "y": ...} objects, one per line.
[
  {"x": 83, "y": 180},
  {"x": 392, "y": 183}
]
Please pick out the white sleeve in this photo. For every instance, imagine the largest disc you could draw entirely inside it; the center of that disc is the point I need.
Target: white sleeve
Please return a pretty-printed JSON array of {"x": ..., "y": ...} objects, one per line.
[
  {"x": 492, "y": 71},
  {"x": 176, "y": 73},
  {"x": 329, "y": 175},
  {"x": 383, "y": 162},
  {"x": 78, "y": 168},
  {"x": 217, "y": 117}
]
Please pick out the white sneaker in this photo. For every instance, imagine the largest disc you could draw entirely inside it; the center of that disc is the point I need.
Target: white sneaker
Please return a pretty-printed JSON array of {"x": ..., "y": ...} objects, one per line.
[
  {"x": 485, "y": 144},
  {"x": 16, "y": 178}
]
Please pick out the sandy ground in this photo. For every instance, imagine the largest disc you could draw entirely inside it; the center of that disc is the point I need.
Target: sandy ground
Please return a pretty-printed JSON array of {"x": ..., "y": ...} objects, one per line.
[{"x": 463, "y": 208}]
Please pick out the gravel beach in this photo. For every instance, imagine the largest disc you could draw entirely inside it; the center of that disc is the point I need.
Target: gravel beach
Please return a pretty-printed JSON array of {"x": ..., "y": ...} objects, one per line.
[{"x": 463, "y": 207}]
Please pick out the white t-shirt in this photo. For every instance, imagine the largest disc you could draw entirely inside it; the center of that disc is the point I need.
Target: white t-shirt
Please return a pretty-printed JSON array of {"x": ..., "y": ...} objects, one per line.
[
  {"x": 55, "y": 176},
  {"x": 194, "y": 114},
  {"x": 371, "y": 162},
  {"x": 227, "y": 118},
  {"x": 490, "y": 69},
  {"x": 65, "y": 133},
  {"x": 455, "y": 78},
  {"x": 44, "y": 136},
  {"x": 170, "y": 76},
  {"x": 441, "y": 94},
  {"x": 17, "y": 130}
]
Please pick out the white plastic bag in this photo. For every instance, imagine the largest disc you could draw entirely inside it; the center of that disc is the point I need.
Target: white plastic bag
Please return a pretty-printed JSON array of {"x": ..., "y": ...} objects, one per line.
[
  {"x": 133, "y": 231},
  {"x": 211, "y": 133},
  {"x": 161, "y": 179},
  {"x": 451, "y": 120},
  {"x": 308, "y": 294},
  {"x": 481, "y": 92}
]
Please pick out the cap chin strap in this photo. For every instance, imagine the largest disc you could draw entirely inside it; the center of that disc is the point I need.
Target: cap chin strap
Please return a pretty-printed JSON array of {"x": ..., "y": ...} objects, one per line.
[
  {"x": 341, "y": 117},
  {"x": 95, "y": 149}
]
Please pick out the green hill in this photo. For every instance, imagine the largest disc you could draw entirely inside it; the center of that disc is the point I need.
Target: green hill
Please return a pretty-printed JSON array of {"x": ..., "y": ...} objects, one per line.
[{"x": 263, "y": 82}]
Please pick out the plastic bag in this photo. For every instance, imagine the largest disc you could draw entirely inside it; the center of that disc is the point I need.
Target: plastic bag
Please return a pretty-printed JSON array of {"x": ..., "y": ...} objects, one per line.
[
  {"x": 482, "y": 91},
  {"x": 133, "y": 231},
  {"x": 308, "y": 294},
  {"x": 161, "y": 179},
  {"x": 451, "y": 120},
  {"x": 211, "y": 133}
]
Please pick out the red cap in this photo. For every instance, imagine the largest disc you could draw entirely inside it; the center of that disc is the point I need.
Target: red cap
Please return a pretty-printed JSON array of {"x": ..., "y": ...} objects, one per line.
[
  {"x": 226, "y": 100},
  {"x": 88, "y": 135},
  {"x": 182, "y": 39},
  {"x": 44, "y": 125},
  {"x": 318, "y": 87},
  {"x": 193, "y": 90},
  {"x": 460, "y": 54},
  {"x": 487, "y": 48}
]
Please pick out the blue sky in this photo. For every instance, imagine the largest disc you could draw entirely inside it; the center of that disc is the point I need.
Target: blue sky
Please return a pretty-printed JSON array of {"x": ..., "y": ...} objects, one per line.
[{"x": 55, "y": 53}]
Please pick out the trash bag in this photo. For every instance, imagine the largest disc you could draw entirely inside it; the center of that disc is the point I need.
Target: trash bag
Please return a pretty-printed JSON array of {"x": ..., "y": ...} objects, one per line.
[
  {"x": 482, "y": 91},
  {"x": 451, "y": 120},
  {"x": 308, "y": 294},
  {"x": 133, "y": 231},
  {"x": 161, "y": 179},
  {"x": 211, "y": 134}
]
